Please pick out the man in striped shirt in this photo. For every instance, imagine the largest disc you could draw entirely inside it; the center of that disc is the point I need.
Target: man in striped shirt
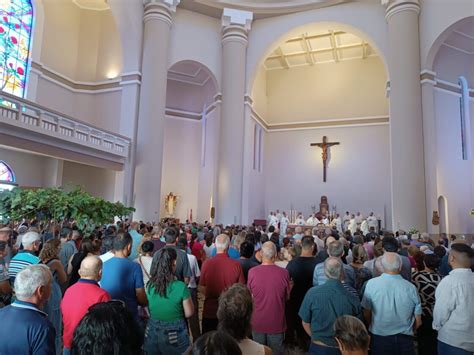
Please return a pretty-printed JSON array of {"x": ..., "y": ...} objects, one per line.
[{"x": 31, "y": 244}]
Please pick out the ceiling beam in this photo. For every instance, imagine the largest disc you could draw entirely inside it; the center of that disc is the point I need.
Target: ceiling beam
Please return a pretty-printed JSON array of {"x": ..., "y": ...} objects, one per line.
[
  {"x": 307, "y": 48},
  {"x": 316, "y": 51},
  {"x": 335, "y": 54},
  {"x": 323, "y": 35},
  {"x": 283, "y": 59}
]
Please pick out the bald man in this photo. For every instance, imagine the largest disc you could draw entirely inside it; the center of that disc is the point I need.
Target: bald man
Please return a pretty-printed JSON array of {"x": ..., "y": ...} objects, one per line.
[{"x": 79, "y": 297}]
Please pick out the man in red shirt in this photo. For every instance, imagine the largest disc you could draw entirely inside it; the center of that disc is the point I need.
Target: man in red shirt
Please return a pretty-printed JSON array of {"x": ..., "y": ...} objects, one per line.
[
  {"x": 79, "y": 297},
  {"x": 270, "y": 286},
  {"x": 217, "y": 275}
]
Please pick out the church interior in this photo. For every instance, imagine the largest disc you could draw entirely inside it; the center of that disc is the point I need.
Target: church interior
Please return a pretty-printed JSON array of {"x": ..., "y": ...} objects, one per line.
[{"x": 218, "y": 102}]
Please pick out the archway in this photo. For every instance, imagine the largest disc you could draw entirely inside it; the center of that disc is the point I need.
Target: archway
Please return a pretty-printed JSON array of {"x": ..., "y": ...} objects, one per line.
[
  {"x": 190, "y": 136},
  {"x": 443, "y": 215},
  {"x": 324, "y": 79}
]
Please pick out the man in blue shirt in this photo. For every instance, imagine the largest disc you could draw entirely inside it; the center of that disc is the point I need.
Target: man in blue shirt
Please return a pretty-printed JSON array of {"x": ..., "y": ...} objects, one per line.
[
  {"x": 25, "y": 328},
  {"x": 392, "y": 308},
  {"x": 335, "y": 250},
  {"x": 31, "y": 242},
  {"x": 122, "y": 278}
]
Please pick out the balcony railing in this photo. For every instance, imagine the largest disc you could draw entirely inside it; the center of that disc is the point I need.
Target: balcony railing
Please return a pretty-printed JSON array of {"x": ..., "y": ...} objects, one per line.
[{"x": 29, "y": 115}]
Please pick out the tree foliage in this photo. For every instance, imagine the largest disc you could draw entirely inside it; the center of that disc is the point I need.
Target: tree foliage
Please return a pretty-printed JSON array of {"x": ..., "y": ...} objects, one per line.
[{"x": 55, "y": 204}]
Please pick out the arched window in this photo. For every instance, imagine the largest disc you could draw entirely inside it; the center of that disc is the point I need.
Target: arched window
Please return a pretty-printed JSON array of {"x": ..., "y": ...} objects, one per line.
[
  {"x": 16, "y": 22},
  {"x": 6, "y": 173}
]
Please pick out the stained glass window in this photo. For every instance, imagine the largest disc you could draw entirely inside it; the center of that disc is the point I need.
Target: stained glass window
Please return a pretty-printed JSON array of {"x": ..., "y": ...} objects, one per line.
[
  {"x": 6, "y": 173},
  {"x": 16, "y": 21}
]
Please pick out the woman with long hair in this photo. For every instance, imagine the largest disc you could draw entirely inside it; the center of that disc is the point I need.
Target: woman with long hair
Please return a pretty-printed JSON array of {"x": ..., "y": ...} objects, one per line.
[
  {"x": 170, "y": 304},
  {"x": 49, "y": 256},
  {"x": 362, "y": 273}
]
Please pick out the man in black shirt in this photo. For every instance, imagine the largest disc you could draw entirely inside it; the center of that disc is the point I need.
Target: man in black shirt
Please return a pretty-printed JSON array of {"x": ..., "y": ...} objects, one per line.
[
  {"x": 246, "y": 260},
  {"x": 301, "y": 272}
]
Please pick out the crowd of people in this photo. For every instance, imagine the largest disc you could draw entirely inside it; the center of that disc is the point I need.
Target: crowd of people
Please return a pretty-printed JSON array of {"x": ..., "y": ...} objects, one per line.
[{"x": 135, "y": 288}]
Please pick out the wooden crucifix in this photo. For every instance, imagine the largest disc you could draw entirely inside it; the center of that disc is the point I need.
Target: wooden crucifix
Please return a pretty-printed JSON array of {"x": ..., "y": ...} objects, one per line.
[{"x": 324, "y": 146}]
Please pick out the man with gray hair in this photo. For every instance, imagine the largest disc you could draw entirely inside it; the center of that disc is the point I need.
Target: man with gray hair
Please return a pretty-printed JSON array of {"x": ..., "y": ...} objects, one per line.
[
  {"x": 31, "y": 242},
  {"x": 335, "y": 249},
  {"x": 323, "y": 304},
  {"x": 217, "y": 275},
  {"x": 25, "y": 328},
  {"x": 270, "y": 287},
  {"x": 392, "y": 308}
]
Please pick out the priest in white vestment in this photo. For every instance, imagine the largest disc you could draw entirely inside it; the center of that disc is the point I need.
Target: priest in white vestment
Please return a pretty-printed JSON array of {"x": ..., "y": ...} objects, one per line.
[
  {"x": 325, "y": 220},
  {"x": 364, "y": 227},
  {"x": 352, "y": 225},
  {"x": 278, "y": 215},
  {"x": 345, "y": 221},
  {"x": 273, "y": 221},
  {"x": 312, "y": 220},
  {"x": 284, "y": 221},
  {"x": 338, "y": 223},
  {"x": 372, "y": 221},
  {"x": 300, "y": 220},
  {"x": 358, "y": 219}
]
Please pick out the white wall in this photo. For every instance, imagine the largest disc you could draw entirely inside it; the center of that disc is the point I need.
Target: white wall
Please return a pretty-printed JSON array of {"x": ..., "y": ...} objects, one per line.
[
  {"x": 450, "y": 64},
  {"x": 30, "y": 170},
  {"x": 181, "y": 160},
  {"x": 455, "y": 175},
  {"x": 358, "y": 177},
  {"x": 354, "y": 88},
  {"x": 98, "y": 182}
]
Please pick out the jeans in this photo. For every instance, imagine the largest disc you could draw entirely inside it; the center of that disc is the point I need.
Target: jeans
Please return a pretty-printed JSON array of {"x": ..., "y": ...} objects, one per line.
[
  {"x": 445, "y": 349},
  {"x": 323, "y": 350},
  {"x": 273, "y": 341},
  {"x": 398, "y": 344},
  {"x": 166, "y": 337}
]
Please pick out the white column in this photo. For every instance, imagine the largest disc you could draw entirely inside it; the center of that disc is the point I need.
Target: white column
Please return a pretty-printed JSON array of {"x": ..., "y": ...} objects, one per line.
[
  {"x": 406, "y": 122},
  {"x": 149, "y": 155},
  {"x": 430, "y": 147},
  {"x": 236, "y": 25}
]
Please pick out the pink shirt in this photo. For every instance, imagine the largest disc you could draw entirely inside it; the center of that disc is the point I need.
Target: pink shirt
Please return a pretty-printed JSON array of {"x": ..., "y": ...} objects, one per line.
[{"x": 270, "y": 287}]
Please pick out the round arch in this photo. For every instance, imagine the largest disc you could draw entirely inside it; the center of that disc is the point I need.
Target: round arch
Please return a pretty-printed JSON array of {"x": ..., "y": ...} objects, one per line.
[
  {"x": 433, "y": 51},
  {"x": 294, "y": 31},
  {"x": 202, "y": 66}
]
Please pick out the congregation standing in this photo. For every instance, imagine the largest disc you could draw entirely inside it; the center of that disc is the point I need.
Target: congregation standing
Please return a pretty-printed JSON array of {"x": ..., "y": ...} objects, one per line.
[{"x": 320, "y": 286}]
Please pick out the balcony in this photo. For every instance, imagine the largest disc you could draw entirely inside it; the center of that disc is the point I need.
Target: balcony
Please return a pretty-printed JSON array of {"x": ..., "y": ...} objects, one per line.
[{"x": 27, "y": 125}]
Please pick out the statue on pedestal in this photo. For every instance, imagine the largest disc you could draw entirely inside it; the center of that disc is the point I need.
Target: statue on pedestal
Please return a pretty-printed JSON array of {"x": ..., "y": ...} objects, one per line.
[{"x": 324, "y": 206}]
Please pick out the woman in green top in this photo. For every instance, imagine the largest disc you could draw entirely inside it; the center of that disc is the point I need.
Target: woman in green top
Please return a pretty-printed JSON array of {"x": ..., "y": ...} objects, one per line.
[{"x": 169, "y": 303}]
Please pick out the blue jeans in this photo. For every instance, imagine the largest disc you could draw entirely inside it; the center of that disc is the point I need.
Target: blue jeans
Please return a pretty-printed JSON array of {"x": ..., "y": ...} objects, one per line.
[
  {"x": 323, "y": 350},
  {"x": 166, "y": 337},
  {"x": 273, "y": 341},
  {"x": 398, "y": 344},
  {"x": 446, "y": 349}
]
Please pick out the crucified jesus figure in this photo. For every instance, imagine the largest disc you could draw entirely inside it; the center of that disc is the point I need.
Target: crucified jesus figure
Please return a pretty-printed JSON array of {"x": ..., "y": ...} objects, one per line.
[{"x": 324, "y": 146}]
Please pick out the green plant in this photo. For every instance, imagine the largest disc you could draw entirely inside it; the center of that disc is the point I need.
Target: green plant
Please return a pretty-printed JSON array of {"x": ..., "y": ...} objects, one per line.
[{"x": 55, "y": 204}]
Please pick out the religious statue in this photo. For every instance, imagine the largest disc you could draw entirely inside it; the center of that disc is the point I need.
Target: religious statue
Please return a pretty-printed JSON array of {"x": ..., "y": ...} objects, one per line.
[
  {"x": 323, "y": 206},
  {"x": 435, "y": 219},
  {"x": 170, "y": 204},
  {"x": 324, "y": 146}
]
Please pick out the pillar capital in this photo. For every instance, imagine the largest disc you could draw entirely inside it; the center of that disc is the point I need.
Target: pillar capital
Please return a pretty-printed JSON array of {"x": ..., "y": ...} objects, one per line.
[
  {"x": 236, "y": 25},
  {"x": 395, "y": 6},
  {"x": 161, "y": 10}
]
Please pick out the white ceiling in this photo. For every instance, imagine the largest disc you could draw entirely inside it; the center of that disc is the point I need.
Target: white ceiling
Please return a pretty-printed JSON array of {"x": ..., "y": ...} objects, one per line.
[
  {"x": 189, "y": 73},
  {"x": 462, "y": 38},
  {"x": 319, "y": 47}
]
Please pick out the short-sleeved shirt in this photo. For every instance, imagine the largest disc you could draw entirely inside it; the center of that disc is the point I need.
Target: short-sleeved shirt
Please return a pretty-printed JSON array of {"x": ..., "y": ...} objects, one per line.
[
  {"x": 75, "y": 304},
  {"x": 217, "y": 275},
  {"x": 136, "y": 239},
  {"x": 169, "y": 308},
  {"x": 21, "y": 260},
  {"x": 394, "y": 302},
  {"x": 233, "y": 253},
  {"x": 301, "y": 272},
  {"x": 247, "y": 264},
  {"x": 68, "y": 249},
  {"x": 270, "y": 287},
  {"x": 120, "y": 278},
  {"x": 183, "y": 269},
  {"x": 323, "y": 304},
  {"x": 426, "y": 283}
]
